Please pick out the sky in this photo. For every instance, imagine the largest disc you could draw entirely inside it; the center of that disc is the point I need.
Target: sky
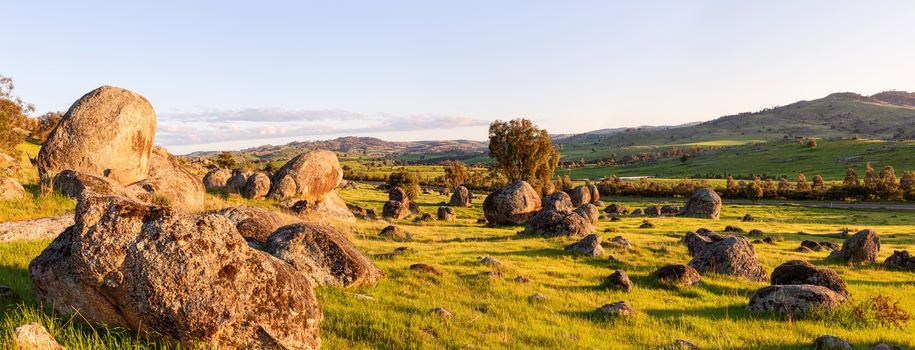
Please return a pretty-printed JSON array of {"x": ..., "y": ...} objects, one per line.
[{"x": 226, "y": 75}]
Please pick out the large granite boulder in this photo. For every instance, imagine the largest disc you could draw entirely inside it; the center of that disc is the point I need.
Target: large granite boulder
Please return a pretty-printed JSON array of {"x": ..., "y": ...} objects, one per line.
[
  {"x": 703, "y": 203},
  {"x": 10, "y": 189},
  {"x": 34, "y": 229},
  {"x": 676, "y": 275},
  {"x": 557, "y": 201},
  {"x": 580, "y": 195},
  {"x": 216, "y": 178},
  {"x": 860, "y": 248},
  {"x": 75, "y": 184},
  {"x": 191, "y": 277},
  {"x": 802, "y": 272},
  {"x": 900, "y": 260},
  {"x": 552, "y": 223},
  {"x": 590, "y": 246},
  {"x": 256, "y": 187},
  {"x": 323, "y": 254},
  {"x": 307, "y": 176},
  {"x": 511, "y": 205},
  {"x": 731, "y": 256},
  {"x": 254, "y": 224},
  {"x": 238, "y": 180},
  {"x": 590, "y": 212},
  {"x": 461, "y": 197},
  {"x": 794, "y": 299},
  {"x": 616, "y": 209},
  {"x": 168, "y": 183},
  {"x": 447, "y": 214},
  {"x": 395, "y": 210},
  {"x": 594, "y": 193},
  {"x": 696, "y": 242},
  {"x": 108, "y": 132}
]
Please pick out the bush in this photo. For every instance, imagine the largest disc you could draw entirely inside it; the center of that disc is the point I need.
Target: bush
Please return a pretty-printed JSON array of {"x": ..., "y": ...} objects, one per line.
[
  {"x": 408, "y": 181},
  {"x": 867, "y": 313}
]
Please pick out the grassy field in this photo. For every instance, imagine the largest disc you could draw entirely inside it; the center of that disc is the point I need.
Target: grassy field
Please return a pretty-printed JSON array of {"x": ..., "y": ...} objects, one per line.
[
  {"x": 495, "y": 312},
  {"x": 831, "y": 158}
]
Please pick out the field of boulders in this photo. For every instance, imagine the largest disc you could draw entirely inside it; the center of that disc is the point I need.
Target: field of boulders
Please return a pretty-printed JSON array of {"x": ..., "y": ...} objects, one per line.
[{"x": 157, "y": 255}]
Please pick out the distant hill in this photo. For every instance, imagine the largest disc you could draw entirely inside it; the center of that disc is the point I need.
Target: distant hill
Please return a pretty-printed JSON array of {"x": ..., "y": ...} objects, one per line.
[
  {"x": 900, "y": 98},
  {"x": 361, "y": 147}
]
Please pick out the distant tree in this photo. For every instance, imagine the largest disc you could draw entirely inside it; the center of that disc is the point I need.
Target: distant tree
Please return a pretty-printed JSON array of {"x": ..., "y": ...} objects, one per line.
[
  {"x": 802, "y": 187},
  {"x": 564, "y": 182},
  {"x": 784, "y": 187},
  {"x": 851, "y": 179},
  {"x": 731, "y": 186},
  {"x": 407, "y": 181},
  {"x": 754, "y": 189},
  {"x": 871, "y": 180},
  {"x": 13, "y": 117},
  {"x": 522, "y": 151},
  {"x": 907, "y": 185},
  {"x": 819, "y": 185},
  {"x": 225, "y": 160},
  {"x": 684, "y": 158},
  {"x": 889, "y": 183},
  {"x": 770, "y": 189},
  {"x": 455, "y": 173},
  {"x": 270, "y": 168},
  {"x": 44, "y": 125}
]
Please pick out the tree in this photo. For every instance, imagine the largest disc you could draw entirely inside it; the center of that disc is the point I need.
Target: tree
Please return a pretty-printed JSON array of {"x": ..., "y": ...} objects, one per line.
[
  {"x": 407, "y": 181},
  {"x": 889, "y": 183},
  {"x": 851, "y": 179},
  {"x": 811, "y": 144},
  {"x": 13, "y": 117},
  {"x": 784, "y": 187},
  {"x": 44, "y": 125},
  {"x": 455, "y": 173},
  {"x": 803, "y": 187},
  {"x": 907, "y": 185},
  {"x": 731, "y": 186},
  {"x": 819, "y": 185},
  {"x": 225, "y": 160},
  {"x": 684, "y": 158},
  {"x": 522, "y": 151},
  {"x": 754, "y": 189},
  {"x": 871, "y": 180}
]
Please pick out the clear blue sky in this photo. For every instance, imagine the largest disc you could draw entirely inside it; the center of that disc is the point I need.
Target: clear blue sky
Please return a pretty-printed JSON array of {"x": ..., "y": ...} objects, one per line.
[{"x": 235, "y": 74}]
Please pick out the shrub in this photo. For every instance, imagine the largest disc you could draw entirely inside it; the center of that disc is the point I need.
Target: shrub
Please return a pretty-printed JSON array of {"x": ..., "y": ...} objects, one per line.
[{"x": 408, "y": 181}]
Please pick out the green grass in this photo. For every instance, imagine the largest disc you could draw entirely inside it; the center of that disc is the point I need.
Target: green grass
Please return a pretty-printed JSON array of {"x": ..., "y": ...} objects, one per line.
[
  {"x": 831, "y": 159},
  {"x": 495, "y": 313}
]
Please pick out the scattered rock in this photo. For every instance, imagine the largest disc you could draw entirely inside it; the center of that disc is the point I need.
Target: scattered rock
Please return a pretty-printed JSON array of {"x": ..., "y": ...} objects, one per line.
[
  {"x": 395, "y": 210},
  {"x": 614, "y": 219},
  {"x": 620, "y": 242},
  {"x": 677, "y": 275},
  {"x": 398, "y": 194},
  {"x": 34, "y": 336},
  {"x": 108, "y": 133},
  {"x": 595, "y": 194},
  {"x": 616, "y": 209},
  {"x": 309, "y": 176},
  {"x": 552, "y": 223},
  {"x": 703, "y": 203},
  {"x": 681, "y": 344},
  {"x": 461, "y": 197},
  {"x": 755, "y": 233},
  {"x": 35, "y": 229},
  {"x": 590, "y": 246},
  {"x": 237, "y": 182},
  {"x": 885, "y": 346},
  {"x": 425, "y": 268},
  {"x": 653, "y": 210},
  {"x": 695, "y": 242},
  {"x": 733, "y": 229},
  {"x": 11, "y": 189},
  {"x": 828, "y": 342},
  {"x": 441, "y": 312},
  {"x": 620, "y": 308},
  {"x": 794, "y": 299},
  {"x": 637, "y": 212},
  {"x": 6, "y": 293},
  {"x": 747, "y": 218},
  {"x": 117, "y": 265},
  {"x": 731, "y": 256},
  {"x": 580, "y": 195},
  {"x": 521, "y": 279},
  {"x": 769, "y": 240},
  {"x": 900, "y": 260},
  {"x": 589, "y": 212},
  {"x": 447, "y": 214},
  {"x": 802, "y": 272},
  {"x": 670, "y": 210},
  {"x": 424, "y": 217},
  {"x": 395, "y": 253},
  {"x": 216, "y": 178},
  {"x": 559, "y": 201},
  {"x": 257, "y": 186},
  {"x": 537, "y": 297},
  {"x": 323, "y": 254},
  {"x": 514, "y": 204},
  {"x": 646, "y": 225},
  {"x": 830, "y": 245},
  {"x": 255, "y": 224},
  {"x": 489, "y": 261},
  {"x": 168, "y": 183},
  {"x": 860, "y": 248},
  {"x": 396, "y": 234},
  {"x": 414, "y": 208},
  {"x": 75, "y": 184},
  {"x": 618, "y": 280},
  {"x": 803, "y": 250}
]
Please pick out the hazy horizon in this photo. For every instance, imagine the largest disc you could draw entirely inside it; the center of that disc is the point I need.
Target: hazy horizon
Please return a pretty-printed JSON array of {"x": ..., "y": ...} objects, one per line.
[{"x": 226, "y": 76}]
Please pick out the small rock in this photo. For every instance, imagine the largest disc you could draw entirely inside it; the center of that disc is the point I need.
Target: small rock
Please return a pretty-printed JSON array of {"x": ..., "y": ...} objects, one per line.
[
  {"x": 830, "y": 245},
  {"x": 6, "y": 293},
  {"x": 811, "y": 245},
  {"x": 615, "y": 219},
  {"x": 590, "y": 246},
  {"x": 363, "y": 296},
  {"x": 685, "y": 344},
  {"x": 678, "y": 275},
  {"x": 769, "y": 240},
  {"x": 885, "y": 346},
  {"x": 747, "y": 218},
  {"x": 618, "y": 281},
  {"x": 397, "y": 252},
  {"x": 755, "y": 233},
  {"x": 900, "y": 260},
  {"x": 803, "y": 250},
  {"x": 620, "y": 242},
  {"x": 646, "y": 225},
  {"x": 492, "y": 274},
  {"x": 441, "y": 312},
  {"x": 537, "y": 297},
  {"x": 425, "y": 268},
  {"x": 521, "y": 279},
  {"x": 828, "y": 342},
  {"x": 489, "y": 261},
  {"x": 395, "y": 233},
  {"x": 620, "y": 308},
  {"x": 733, "y": 229},
  {"x": 614, "y": 260},
  {"x": 34, "y": 336}
]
